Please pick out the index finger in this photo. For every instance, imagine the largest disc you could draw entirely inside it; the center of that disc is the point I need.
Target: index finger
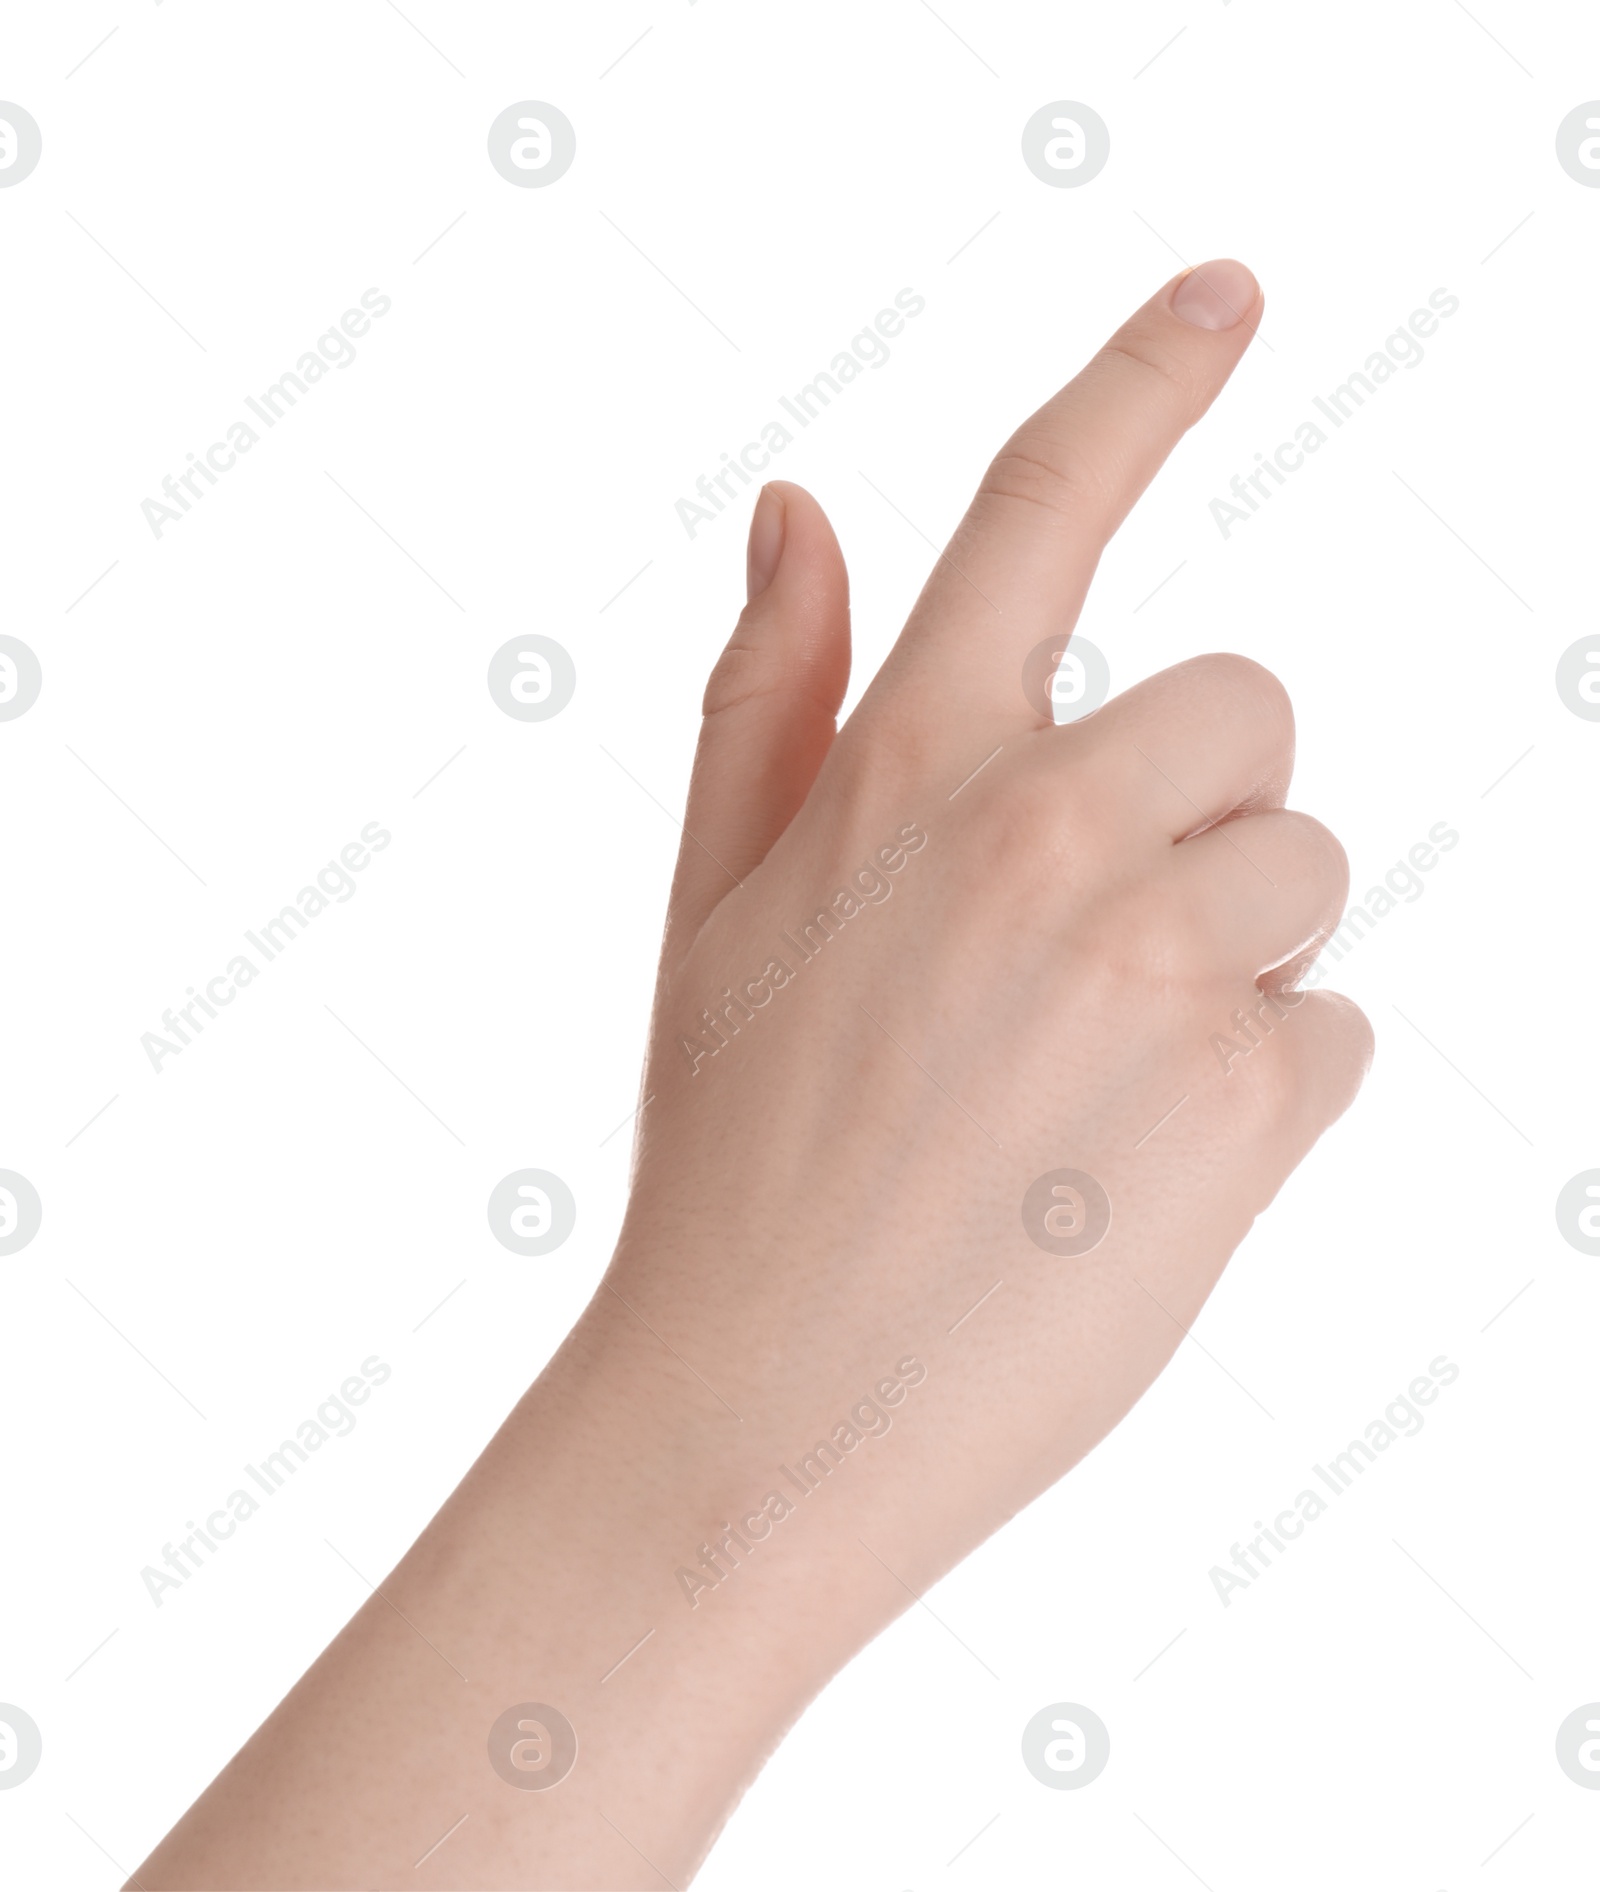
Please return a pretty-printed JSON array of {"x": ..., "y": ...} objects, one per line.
[{"x": 1017, "y": 569}]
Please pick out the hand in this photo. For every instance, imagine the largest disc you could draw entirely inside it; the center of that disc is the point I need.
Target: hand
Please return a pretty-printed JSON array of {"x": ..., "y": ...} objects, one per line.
[{"x": 910, "y": 972}]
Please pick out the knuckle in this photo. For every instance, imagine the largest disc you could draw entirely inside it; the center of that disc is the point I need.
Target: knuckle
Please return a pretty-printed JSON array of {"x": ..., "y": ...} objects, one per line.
[
  {"x": 1048, "y": 474},
  {"x": 1319, "y": 854},
  {"x": 752, "y": 668},
  {"x": 1265, "y": 1075},
  {"x": 1294, "y": 851},
  {"x": 1304, "y": 1072},
  {"x": 1244, "y": 677},
  {"x": 1040, "y": 839},
  {"x": 1353, "y": 1039},
  {"x": 1251, "y": 689},
  {"x": 1050, "y": 833},
  {"x": 740, "y": 673},
  {"x": 1343, "y": 1041},
  {"x": 1141, "y": 359}
]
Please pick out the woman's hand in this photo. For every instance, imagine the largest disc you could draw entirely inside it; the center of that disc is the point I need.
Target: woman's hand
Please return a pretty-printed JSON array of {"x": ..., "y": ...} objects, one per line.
[
  {"x": 914, "y": 970},
  {"x": 973, "y": 1059}
]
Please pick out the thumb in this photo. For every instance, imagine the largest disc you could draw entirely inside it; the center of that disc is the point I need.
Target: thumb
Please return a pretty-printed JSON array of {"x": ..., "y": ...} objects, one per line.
[{"x": 769, "y": 706}]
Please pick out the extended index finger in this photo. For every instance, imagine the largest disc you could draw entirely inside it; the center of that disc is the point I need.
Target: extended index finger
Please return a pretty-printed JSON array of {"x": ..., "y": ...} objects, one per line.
[{"x": 1017, "y": 569}]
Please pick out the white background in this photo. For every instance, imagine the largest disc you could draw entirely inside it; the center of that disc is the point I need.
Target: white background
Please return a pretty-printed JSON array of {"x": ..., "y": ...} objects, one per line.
[{"x": 234, "y": 1236}]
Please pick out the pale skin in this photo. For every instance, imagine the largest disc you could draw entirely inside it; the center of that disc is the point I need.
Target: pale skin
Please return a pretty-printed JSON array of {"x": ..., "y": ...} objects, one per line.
[{"x": 838, "y": 1178}]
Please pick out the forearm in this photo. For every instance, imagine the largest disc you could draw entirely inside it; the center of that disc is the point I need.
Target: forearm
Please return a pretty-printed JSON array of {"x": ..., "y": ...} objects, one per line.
[{"x": 551, "y": 1576}]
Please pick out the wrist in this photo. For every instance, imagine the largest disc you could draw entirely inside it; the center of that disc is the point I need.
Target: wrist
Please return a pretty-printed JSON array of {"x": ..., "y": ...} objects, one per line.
[{"x": 678, "y": 1598}]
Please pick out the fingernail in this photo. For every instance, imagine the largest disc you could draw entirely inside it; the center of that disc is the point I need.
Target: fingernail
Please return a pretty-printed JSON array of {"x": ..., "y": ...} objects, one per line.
[
  {"x": 1216, "y": 295},
  {"x": 766, "y": 542}
]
